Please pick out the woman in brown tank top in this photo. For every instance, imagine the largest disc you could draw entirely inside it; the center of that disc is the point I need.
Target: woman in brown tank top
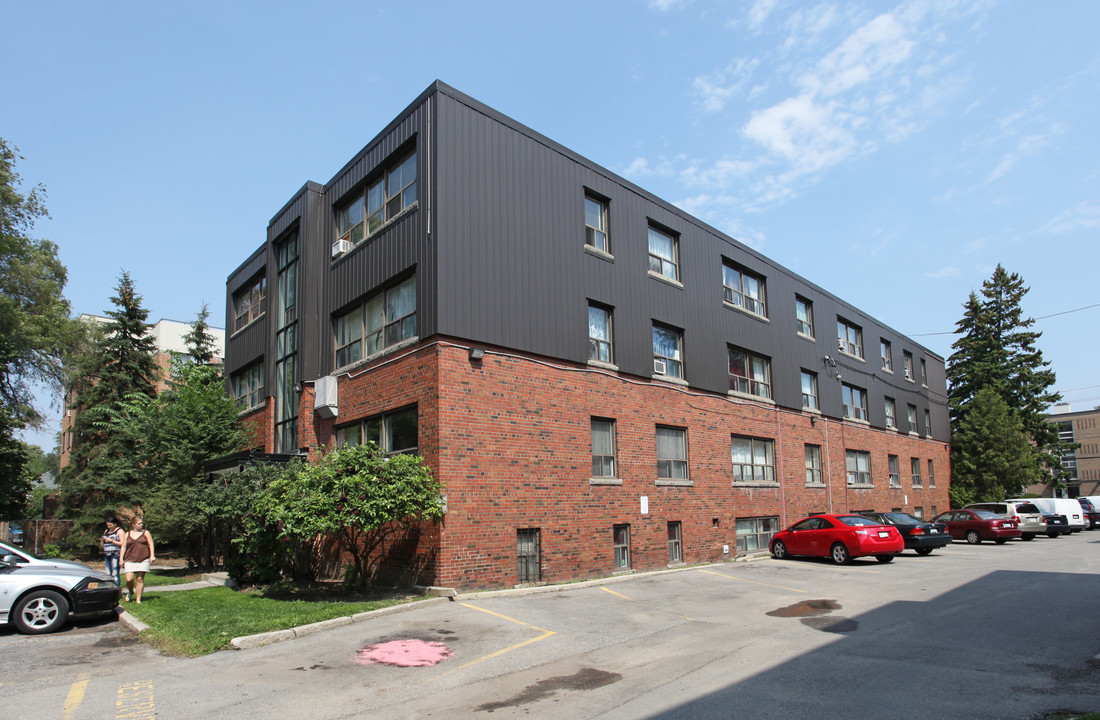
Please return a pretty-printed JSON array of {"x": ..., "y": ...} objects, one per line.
[{"x": 138, "y": 553}]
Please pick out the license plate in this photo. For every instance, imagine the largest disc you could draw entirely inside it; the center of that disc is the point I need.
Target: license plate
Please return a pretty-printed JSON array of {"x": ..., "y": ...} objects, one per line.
[
  {"x": 884, "y": 533},
  {"x": 933, "y": 531}
]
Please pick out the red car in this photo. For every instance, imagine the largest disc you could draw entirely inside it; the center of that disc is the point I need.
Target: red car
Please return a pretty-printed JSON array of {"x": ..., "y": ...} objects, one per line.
[
  {"x": 840, "y": 537},
  {"x": 977, "y": 525}
]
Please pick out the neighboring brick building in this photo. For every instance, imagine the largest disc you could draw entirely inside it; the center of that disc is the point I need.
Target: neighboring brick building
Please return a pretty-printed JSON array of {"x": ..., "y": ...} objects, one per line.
[
  {"x": 169, "y": 337},
  {"x": 1083, "y": 464},
  {"x": 601, "y": 381}
]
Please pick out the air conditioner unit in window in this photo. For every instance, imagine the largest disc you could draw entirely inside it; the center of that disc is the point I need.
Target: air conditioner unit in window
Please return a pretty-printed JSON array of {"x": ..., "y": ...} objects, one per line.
[
  {"x": 340, "y": 247},
  {"x": 659, "y": 366},
  {"x": 842, "y": 344}
]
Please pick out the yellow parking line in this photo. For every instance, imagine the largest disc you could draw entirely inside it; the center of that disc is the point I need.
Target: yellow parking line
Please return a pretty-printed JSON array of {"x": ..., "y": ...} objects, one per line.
[
  {"x": 754, "y": 582},
  {"x": 498, "y": 653},
  {"x": 135, "y": 700},
  {"x": 75, "y": 696},
  {"x": 624, "y": 597}
]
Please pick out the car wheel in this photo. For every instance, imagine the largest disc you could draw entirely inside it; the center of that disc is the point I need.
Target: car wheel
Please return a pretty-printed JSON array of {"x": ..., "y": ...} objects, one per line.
[
  {"x": 1000, "y": 541},
  {"x": 1028, "y": 536},
  {"x": 884, "y": 558},
  {"x": 840, "y": 554},
  {"x": 779, "y": 550},
  {"x": 973, "y": 537},
  {"x": 41, "y": 611},
  {"x": 924, "y": 551}
]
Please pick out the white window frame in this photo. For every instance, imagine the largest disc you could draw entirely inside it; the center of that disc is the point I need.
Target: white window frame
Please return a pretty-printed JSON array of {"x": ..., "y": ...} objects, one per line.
[
  {"x": 673, "y": 364},
  {"x": 595, "y": 224},
  {"x": 857, "y": 465},
  {"x": 603, "y": 458},
  {"x": 759, "y": 462},
  {"x": 886, "y": 352},
  {"x": 672, "y": 466},
  {"x": 914, "y": 467},
  {"x": 664, "y": 262},
  {"x": 891, "y": 409},
  {"x": 894, "y": 467},
  {"x": 809, "y": 400},
  {"x": 849, "y": 338},
  {"x": 620, "y": 541},
  {"x": 744, "y": 289},
  {"x": 600, "y": 334},
  {"x": 754, "y": 534},
  {"x": 804, "y": 316},
  {"x": 758, "y": 382},
  {"x": 907, "y": 365},
  {"x": 813, "y": 465},
  {"x": 849, "y": 394},
  {"x": 675, "y": 542}
]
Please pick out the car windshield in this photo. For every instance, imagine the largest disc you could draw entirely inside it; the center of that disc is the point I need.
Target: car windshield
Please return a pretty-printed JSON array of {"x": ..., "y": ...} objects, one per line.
[
  {"x": 986, "y": 515},
  {"x": 854, "y": 520},
  {"x": 902, "y": 518},
  {"x": 6, "y": 549}
]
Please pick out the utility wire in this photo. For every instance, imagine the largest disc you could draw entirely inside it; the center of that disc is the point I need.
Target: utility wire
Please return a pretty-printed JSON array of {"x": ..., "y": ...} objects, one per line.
[{"x": 1044, "y": 317}]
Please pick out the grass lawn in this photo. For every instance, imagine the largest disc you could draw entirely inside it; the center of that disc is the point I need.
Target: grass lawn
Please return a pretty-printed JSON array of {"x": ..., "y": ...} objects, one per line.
[{"x": 198, "y": 622}]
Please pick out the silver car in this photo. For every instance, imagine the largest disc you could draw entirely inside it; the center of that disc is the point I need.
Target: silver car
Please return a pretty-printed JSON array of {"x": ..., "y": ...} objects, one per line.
[
  {"x": 40, "y": 598},
  {"x": 19, "y": 556}
]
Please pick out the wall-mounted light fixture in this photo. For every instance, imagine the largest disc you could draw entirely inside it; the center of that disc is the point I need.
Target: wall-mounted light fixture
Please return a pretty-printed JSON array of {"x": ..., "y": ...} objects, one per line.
[
  {"x": 813, "y": 420},
  {"x": 477, "y": 354}
]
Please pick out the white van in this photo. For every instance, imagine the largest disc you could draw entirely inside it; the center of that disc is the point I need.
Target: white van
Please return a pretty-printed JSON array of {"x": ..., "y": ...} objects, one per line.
[{"x": 1063, "y": 506}]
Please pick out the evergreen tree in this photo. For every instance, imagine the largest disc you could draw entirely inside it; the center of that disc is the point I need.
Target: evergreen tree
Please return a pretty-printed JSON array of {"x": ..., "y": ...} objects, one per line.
[
  {"x": 104, "y": 471},
  {"x": 996, "y": 350},
  {"x": 992, "y": 456},
  {"x": 200, "y": 343}
]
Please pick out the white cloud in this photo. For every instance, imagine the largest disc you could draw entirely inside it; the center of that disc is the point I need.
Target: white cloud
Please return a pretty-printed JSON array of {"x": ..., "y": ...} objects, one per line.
[
  {"x": 948, "y": 271},
  {"x": 759, "y": 12},
  {"x": 1082, "y": 216},
  {"x": 809, "y": 135},
  {"x": 717, "y": 88},
  {"x": 666, "y": 5}
]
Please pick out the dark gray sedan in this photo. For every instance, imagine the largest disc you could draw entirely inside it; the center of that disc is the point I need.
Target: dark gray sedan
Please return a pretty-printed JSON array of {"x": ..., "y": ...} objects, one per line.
[{"x": 919, "y": 535}]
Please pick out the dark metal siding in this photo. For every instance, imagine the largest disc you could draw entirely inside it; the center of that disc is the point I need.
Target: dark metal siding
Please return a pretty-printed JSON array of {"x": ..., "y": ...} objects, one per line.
[{"x": 510, "y": 237}]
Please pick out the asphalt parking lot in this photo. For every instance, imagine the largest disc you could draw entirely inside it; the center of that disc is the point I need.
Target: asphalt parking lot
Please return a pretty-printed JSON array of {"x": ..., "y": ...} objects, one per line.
[{"x": 970, "y": 631}]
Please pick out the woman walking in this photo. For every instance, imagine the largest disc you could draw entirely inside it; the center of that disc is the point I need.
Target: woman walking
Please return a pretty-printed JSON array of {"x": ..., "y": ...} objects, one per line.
[
  {"x": 112, "y": 546},
  {"x": 138, "y": 553}
]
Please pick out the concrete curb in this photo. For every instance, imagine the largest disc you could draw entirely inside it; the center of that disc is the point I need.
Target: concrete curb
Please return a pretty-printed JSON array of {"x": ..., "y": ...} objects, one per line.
[{"x": 130, "y": 621}]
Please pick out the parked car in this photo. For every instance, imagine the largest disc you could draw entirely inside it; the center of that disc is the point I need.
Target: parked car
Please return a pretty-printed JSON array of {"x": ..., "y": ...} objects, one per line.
[
  {"x": 15, "y": 530},
  {"x": 1029, "y": 518},
  {"x": 977, "y": 525},
  {"x": 40, "y": 599},
  {"x": 1090, "y": 508},
  {"x": 19, "y": 556},
  {"x": 920, "y": 535},
  {"x": 840, "y": 537},
  {"x": 1061, "y": 506}
]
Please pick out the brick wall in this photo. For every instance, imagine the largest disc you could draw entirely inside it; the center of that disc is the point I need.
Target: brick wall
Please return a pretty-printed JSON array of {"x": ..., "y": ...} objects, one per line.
[{"x": 510, "y": 438}]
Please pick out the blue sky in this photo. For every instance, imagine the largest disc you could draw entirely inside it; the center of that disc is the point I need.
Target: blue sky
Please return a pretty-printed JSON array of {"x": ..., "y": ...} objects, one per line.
[{"x": 891, "y": 152}]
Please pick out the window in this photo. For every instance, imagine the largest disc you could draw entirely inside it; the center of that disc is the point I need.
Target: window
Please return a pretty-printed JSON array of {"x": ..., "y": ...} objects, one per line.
[
  {"x": 382, "y": 201},
  {"x": 813, "y": 465},
  {"x": 744, "y": 289},
  {"x": 603, "y": 448},
  {"x": 396, "y": 432},
  {"x": 749, "y": 374},
  {"x": 672, "y": 453},
  {"x": 891, "y": 414},
  {"x": 753, "y": 460},
  {"x": 887, "y": 357},
  {"x": 529, "y": 551},
  {"x": 895, "y": 471},
  {"x": 664, "y": 254},
  {"x": 248, "y": 302},
  {"x": 809, "y": 390},
  {"x": 911, "y": 411},
  {"x": 907, "y": 364},
  {"x": 923, "y": 372},
  {"x": 599, "y": 334},
  {"x": 595, "y": 224},
  {"x": 286, "y": 346},
  {"x": 248, "y": 386},
  {"x": 849, "y": 338},
  {"x": 854, "y": 400},
  {"x": 804, "y": 316},
  {"x": 675, "y": 547},
  {"x": 931, "y": 474},
  {"x": 383, "y": 321},
  {"x": 918, "y": 512},
  {"x": 927, "y": 423},
  {"x": 858, "y": 465},
  {"x": 667, "y": 345},
  {"x": 914, "y": 463},
  {"x": 755, "y": 533},
  {"x": 621, "y": 540}
]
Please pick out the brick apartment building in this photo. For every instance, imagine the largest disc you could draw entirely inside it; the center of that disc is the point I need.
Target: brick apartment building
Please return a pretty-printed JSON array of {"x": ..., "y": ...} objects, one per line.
[{"x": 601, "y": 381}]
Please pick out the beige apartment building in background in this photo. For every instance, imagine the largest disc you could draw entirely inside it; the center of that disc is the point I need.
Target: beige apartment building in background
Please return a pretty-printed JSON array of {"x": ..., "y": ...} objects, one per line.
[{"x": 1083, "y": 463}]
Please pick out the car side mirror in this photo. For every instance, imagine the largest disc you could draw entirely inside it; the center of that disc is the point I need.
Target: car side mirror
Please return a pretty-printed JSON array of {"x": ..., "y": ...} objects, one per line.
[{"x": 10, "y": 559}]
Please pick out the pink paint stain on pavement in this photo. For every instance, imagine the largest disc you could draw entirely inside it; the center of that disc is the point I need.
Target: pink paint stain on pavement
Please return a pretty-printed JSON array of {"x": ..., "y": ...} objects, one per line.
[{"x": 404, "y": 653}]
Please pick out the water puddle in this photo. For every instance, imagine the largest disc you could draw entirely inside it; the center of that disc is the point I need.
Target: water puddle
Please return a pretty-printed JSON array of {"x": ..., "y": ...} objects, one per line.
[
  {"x": 584, "y": 679},
  {"x": 806, "y": 608}
]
